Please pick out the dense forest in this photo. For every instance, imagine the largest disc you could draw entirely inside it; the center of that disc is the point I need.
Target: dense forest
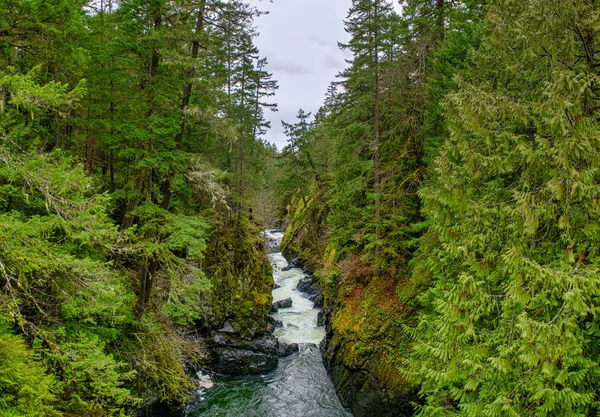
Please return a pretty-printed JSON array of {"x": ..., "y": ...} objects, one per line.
[
  {"x": 452, "y": 209},
  {"x": 446, "y": 196},
  {"x": 131, "y": 159}
]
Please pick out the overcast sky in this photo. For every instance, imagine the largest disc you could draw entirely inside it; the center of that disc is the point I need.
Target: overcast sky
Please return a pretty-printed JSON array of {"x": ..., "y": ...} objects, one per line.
[{"x": 299, "y": 38}]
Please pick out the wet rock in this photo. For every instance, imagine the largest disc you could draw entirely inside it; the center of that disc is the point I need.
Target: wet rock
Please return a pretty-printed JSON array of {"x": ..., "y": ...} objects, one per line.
[
  {"x": 233, "y": 361},
  {"x": 275, "y": 323},
  {"x": 294, "y": 263},
  {"x": 153, "y": 407},
  {"x": 310, "y": 286},
  {"x": 318, "y": 301},
  {"x": 232, "y": 355},
  {"x": 287, "y": 303},
  {"x": 286, "y": 349},
  {"x": 227, "y": 328},
  {"x": 307, "y": 285},
  {"x": 276, "y": 286},
  {"x": 320, "y": 319}
]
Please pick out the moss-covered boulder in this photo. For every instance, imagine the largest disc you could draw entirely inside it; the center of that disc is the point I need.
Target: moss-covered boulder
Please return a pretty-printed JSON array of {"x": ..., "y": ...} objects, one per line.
[{"x": 241, "y": 279}]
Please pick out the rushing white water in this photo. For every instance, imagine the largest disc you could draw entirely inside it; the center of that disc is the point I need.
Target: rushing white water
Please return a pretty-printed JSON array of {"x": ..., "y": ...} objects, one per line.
[
  {"x": 300, "y": 386},
  {"x": 299, "y": 321}
]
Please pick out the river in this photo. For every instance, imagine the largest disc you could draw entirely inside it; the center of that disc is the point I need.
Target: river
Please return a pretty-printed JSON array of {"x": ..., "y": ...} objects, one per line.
[{"x": 300, "y": 386}]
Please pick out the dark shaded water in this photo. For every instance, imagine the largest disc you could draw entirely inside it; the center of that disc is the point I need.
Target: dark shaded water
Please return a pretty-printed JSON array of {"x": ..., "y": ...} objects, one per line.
[{"x": 300, "y": 386}]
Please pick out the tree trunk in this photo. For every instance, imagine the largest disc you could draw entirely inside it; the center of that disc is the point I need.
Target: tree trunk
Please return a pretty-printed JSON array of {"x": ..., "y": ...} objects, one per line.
[
  {"x": 187, "y": 89},
  {"x": 441, "y": 17},
  {"x": 144, "y": 176},
  {"x": 147, "y": 274}
]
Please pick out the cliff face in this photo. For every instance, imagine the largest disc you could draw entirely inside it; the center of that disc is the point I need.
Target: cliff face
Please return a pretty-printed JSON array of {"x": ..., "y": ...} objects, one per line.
[
  {"x": 365, "y": 343},
  {"x": 364, "y": 347},
  {"x": 239, "y": 334},
  {"x": 241, "y": 280}
]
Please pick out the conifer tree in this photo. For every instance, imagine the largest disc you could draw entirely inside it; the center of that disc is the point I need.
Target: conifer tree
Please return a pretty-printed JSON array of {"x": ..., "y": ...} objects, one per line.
[
  {"x": 298, "y": 155},
  {"x": 370, "y": 24},
  {"x": 511, "y": 326}
]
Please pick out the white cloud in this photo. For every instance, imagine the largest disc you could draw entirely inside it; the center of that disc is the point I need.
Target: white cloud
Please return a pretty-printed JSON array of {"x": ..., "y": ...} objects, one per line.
[
  {"x": 289, "y": 67},
  {"x": 299, "y": 38}
]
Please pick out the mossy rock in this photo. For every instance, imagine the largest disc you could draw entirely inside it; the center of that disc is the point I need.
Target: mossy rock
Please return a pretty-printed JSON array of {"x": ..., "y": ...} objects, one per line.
[
  {"x": 241, "y": 277},
  {"x": 365, "y": 346},
  {"x": 305, "y": 235}
]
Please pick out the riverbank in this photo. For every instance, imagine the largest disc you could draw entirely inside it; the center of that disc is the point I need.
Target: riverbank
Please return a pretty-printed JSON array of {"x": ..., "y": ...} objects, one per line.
[{"x": 300, "y": 385}]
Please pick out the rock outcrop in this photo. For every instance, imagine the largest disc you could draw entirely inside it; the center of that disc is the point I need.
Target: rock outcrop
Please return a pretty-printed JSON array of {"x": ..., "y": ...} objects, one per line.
[
  {"x": 361, "y": 331},
  {"x": 287, "y": 303},
  {"x": 233, "y": 355}
]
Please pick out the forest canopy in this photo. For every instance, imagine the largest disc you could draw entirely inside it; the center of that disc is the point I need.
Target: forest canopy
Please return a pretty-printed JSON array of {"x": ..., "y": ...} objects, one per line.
[{"x": 445, "y": 195}]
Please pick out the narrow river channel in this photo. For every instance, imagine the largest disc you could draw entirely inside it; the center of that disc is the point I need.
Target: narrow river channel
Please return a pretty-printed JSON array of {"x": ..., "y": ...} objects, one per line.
[{"x": 300, "y": 386}]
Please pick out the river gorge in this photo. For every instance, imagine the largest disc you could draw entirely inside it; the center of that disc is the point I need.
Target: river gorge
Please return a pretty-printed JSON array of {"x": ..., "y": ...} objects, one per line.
[{"x": 300, "y": 385}]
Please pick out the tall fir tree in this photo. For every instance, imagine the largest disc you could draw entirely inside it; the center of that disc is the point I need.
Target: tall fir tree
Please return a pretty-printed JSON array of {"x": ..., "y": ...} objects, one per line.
[
  {"x": 370, "y": 24},
  {"x": 106, "y": 192}
]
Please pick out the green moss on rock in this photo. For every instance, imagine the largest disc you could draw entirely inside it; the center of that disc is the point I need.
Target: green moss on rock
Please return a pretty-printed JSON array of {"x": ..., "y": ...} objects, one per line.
[
  {"x": 241, "y": 278},
  {"x": 365, "y": 317}
]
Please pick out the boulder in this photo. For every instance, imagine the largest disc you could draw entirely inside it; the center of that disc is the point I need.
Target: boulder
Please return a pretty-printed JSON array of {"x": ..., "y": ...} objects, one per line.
[
  {"x": 295, "y": 263},
  {"x": 233, "y": 361},
  {"x": 318, "y": 301},
  {"x": 310, "y": 286},
  {"x": 320, "y": 319},
  {"x": 232, "y": 355},
  {"x": 287, "y": 303},
  {"x": 275, "y": 323},
  {"x": 306, "y": 285},
  {"x": 286, "y": 349}
]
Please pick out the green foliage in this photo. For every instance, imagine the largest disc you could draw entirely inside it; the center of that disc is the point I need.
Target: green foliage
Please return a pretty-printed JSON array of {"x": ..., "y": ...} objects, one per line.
[
  {"x": 48, "y": 251},
  {"x": 355, "y": 214},
  {"x": 187, "y": 235},
  {"x": 116, "y": 140},
  {"x": 510, "y": 321},
  {"x": 159, "y": 355},
  {"x": 25, "y": 388},
  {"x": 92, "y": 381}
]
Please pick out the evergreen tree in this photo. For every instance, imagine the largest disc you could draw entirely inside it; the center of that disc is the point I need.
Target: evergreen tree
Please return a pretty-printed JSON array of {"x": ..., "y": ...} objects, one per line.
[
  {"x": 510, "y": 326},
  {"x": 106, "y": 194},
  {"x": 370, "y": 24},
  {"x": 298, "y": 155}
]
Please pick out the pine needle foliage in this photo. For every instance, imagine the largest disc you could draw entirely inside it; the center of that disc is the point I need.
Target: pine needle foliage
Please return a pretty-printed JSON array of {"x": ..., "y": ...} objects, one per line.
[{"x": 118, "y": 143}]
